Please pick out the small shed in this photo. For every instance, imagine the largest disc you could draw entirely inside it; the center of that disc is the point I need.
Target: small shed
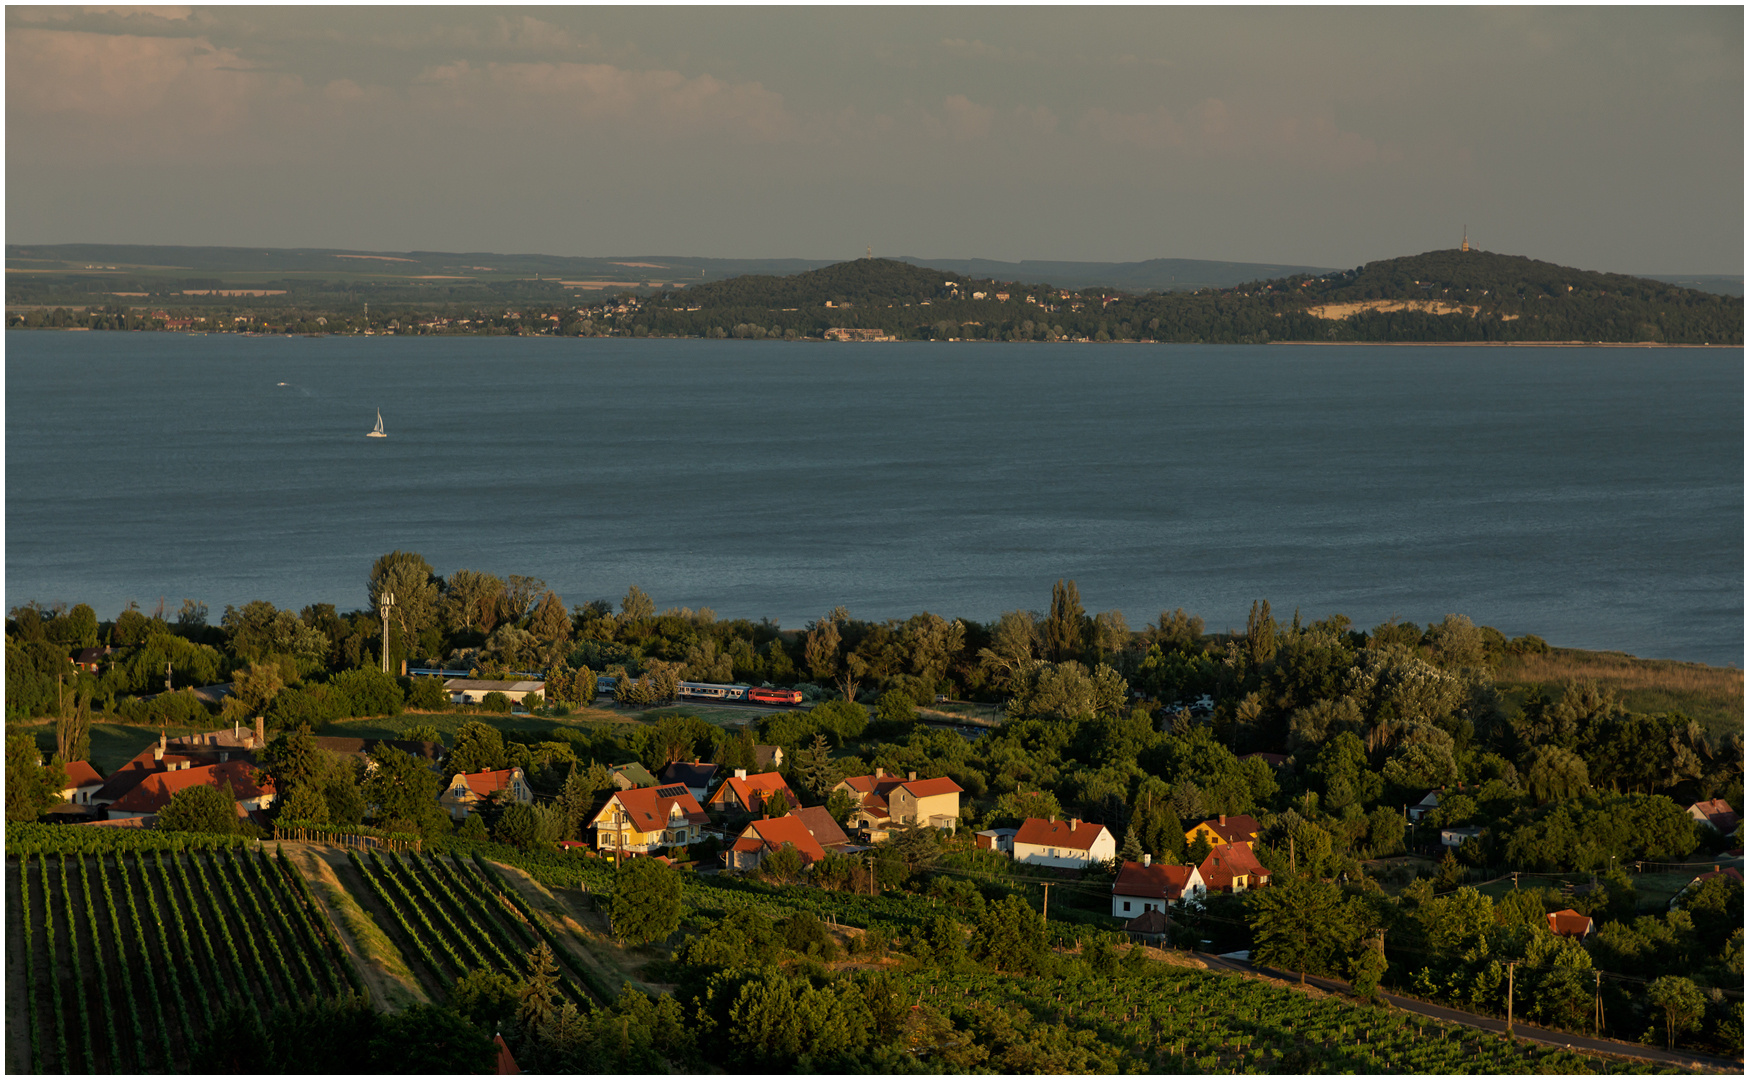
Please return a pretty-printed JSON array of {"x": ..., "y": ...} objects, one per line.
[{"x": 1151, "y": 927}]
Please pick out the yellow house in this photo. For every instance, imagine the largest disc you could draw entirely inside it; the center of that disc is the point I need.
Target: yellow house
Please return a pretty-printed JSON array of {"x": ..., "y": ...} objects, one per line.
[
  {"x": 1237, "y": 829},
  {"x": 885, "y": 801},
  {"x": 647, "y": 819}
]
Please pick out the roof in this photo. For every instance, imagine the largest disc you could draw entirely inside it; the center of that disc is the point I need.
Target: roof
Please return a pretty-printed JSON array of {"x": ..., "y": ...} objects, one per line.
[
  {"x": 154, "y": 792},
  {"x": 142, "y": 765},
  {"x": 1160, "y": 881},
  {"x": 93, "y": 655},
  {"x": 503, "y": 686},
  {"x": 1152, "y": 921},
  {"x": 760, "y": 784},
  {"x": 505, "y": 1065},
  {"x": 1429, "y": 799},
  {"x": 430, "y": 751},
  {"x": 773, "y": 833},
  {"x": 1227, "y": 862},
  {"x": 934, "y": 785},
  {"x": 124, "y": 823},
  {"x": 1235, "y": 829},
  {"x": 81, "y": 773},
  {"x": 698, "y": 774},
  {"x": 1569, "y": 923},
  {"x": 819, "y": 822},
  {"x": 767, "y": 755},
  {"x": 650, "y": 809},
  {"x": 636, "y": 773},
  {"x": 486, "y": 782},
  {"x": 1727, "y": 872},
  {"x": 1717, "y": 813},
  {"x": 1059, "y": 834}
]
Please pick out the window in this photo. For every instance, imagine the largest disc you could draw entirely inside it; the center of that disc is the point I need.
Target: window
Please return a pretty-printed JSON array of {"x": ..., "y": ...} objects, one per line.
[{"x": 1126, "y": 905}]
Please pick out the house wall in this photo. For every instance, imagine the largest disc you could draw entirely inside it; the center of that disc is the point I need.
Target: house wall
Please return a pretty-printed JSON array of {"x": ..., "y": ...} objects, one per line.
[{"x": 1103, "y": 848}]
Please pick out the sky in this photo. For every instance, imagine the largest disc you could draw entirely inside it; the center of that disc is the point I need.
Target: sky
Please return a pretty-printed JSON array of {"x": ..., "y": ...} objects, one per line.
[{"x": 1604, "y": 138}]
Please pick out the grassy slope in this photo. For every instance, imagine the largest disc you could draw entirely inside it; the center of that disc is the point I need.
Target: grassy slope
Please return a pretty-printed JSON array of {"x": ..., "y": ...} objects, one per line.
[{"x": 1712, "y": 695}]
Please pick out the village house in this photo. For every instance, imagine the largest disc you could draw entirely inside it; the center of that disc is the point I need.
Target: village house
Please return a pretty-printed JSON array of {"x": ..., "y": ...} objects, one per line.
[
  {"x": 154, "y": 791},
  {"x": 1457, "y": 836},
  {"x": 696, "y": 775},
  {"x": 1232, "y": 868},
  {"x": 1237, "y": 829},
  {"x": 467, "y": 791},
  {"x": 1144, "y": 886},
  {"x": 82, "y": 783},
  {"x": 1569, "y": 923},
  {"x": 1429, "y": 802},
  {"x": 744, "y": 794},
  {"x": 826, "y": 832},
  {"x": 93, "y": 658},
  {"x": 762, "y": 837},
  {"x": 767, "y": 758},
  {"x": 632, "y": 775},
  {"x": 1072, "y": 844},
  {"x": 646, "y": 819},
  {"x": 155, "y": 759},
  {"x": 1716, "y": 813},
  {"x": 885, "y": 801},
  {"x": 1000, "y": 841},
  {"x": 1728, "y": 872},
  {"x": 474, "y": 691}
]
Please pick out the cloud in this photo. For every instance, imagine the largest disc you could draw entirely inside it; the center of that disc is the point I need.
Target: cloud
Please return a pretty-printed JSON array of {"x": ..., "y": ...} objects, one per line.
[
  {"x": 659, "y": 102},
  {"x": 1217, "y": 129},
  {"x": 963, "y": 118}
]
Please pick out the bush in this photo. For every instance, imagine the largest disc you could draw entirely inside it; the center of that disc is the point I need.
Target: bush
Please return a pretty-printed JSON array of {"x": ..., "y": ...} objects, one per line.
[
  {"x": 427, "y": 693},
  {"x": 368, "y": 692},
  {"x": 495, "y": 702},
  {"x": 181, "y": 709}
]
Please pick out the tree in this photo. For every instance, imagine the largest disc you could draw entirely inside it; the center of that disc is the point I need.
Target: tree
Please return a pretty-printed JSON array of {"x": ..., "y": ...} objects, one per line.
[
  {"x": 781, "y": 866},
  {"x": 551, "y": 627},
  {"x": 576, "y": 799},
  {"x": 470, "y": 601},
  {"x": 304, "y": 803},
  {"x": 200, "y": 809},
  {"x": 404, "y": 792},
  {"x": 637, "y": 606},
  {"x": 777, "y": 806},
  {"x": 409, "y": 578},
  {"x": 517, "y": 826},
  {"x": 1299, "y": 923},
  {"x": 1365, "y": 971},
  {"x": 430, "y": 1039},
  {"x": 539, "y": 994},
  {"x": 1556, "y": 773},
  {"x": 31, "y": 787},
  {"x": 1065, "y": 628},
  {"x": 1682, "y": 1002},
  {"x": 646, "y": 901},
  {"x": 814, "y": 766},
  {"x": 478, "y": 747},
  {"x": 1010, "y": 936},
  {"x": 821, "y": 647}
]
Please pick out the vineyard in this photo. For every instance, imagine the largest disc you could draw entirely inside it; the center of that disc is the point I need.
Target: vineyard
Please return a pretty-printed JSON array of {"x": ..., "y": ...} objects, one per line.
[
  {"x": 1176, "y": 1020},
  {"x": 449, "y": 916},
  {"x": 128, "y": 954}
]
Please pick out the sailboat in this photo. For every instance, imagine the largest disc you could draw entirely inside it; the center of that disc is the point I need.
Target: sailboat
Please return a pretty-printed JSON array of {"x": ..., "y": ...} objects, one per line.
[{"x": 378, "y": 432}]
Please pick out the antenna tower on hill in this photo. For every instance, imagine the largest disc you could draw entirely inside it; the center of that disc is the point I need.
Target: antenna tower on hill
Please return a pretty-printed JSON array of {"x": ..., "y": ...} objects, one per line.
[{"x": 1466, "y": 246}]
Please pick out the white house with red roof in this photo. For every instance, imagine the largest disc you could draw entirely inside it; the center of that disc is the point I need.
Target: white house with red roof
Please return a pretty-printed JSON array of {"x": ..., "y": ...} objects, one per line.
[
  {"x": 885, "y": 801},
  {"x": 1072, "y": 843},
  {"x": 154, "y": 792},
  {"x": 645, "y": 820},
  {"x": 467, "y": 790},
  {"x": 761, "y": 838},
  {"x": 744, "y": 794},
  {"x": 1144, "y": 886},
  {"x": 83, "y": 781},
  {"x": 1716, "y": 813}
]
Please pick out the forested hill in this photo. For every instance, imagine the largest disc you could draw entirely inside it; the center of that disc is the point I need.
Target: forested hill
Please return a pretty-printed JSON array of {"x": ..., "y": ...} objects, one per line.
[{"x": 864, "y": 282}]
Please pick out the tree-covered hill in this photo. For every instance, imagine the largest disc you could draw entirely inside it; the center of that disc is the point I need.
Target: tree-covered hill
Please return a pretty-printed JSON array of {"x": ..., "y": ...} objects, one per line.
[{"x": 864, "y": 282}]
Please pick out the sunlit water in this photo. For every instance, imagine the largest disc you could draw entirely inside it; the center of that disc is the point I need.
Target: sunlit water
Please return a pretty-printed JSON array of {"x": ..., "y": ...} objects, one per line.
[{"x": 1591, "y": 496}]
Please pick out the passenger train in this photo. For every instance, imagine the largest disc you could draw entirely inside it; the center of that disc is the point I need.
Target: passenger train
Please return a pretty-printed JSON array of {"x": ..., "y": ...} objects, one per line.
[{"x": 724, "y": 692}]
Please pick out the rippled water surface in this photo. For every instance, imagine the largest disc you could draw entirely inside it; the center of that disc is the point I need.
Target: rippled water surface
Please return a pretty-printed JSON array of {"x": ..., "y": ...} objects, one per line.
[{"x": 1592, "y": 496}]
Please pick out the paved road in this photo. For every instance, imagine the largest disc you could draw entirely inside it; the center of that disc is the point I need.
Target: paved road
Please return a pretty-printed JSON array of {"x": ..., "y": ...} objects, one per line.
[{"x": 1489, "y": 1023}]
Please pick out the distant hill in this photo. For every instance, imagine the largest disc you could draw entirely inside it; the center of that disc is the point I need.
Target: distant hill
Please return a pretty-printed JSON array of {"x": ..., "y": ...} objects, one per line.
[
  {"x": 1723, "y": 284},
  {"x": 1151, "y": 275}
]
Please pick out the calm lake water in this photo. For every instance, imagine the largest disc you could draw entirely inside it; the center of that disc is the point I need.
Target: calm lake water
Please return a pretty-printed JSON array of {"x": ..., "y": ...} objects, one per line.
[{"x": 1591, "y": 496}]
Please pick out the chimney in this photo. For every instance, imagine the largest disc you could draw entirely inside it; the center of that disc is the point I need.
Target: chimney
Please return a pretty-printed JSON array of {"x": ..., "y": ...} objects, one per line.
[
  {"x": 158, "y": 751},
  {"x": 1147, "y": 859},
  {"x": 1223, "y": 819},
  {"x": 879, "y": 772},
  {"x": 1074, "y": 824},
  {"x": 913, "y": 774},
  {"x": 260, "y": 732},
  {"x": 740, "y": 774}
]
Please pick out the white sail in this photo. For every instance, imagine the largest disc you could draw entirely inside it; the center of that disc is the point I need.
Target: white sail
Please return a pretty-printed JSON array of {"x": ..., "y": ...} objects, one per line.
[{"x": 379, "y": 433}]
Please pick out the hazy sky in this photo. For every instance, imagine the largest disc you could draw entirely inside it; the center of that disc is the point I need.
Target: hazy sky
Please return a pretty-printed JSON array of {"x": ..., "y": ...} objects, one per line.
[{"x": 1607, "y": 138}]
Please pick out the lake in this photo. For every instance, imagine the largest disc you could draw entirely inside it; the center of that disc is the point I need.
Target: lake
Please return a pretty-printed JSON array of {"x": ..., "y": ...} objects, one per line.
[{"x": 1591, "y": 496}]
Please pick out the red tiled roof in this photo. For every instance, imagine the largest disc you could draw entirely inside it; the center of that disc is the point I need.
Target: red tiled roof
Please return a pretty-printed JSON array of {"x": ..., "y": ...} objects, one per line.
[
  {"x": 142, "y": 765},
  {"x": 1569, "y": 923},
  {"x": 755, "y": 788},
  {"x": 153, "y": 793},
  {"x": 819, "y": 822},
  {"x": 934, "y": 785},
  {"x": 1152, "y": 921},
  {"x": 1159, "y": 881},
  {"x": 1059, "y": 834},
  {"x": 81, "y": 773},
  {"x": 776, "y": 832},
  {"x": 505, "y": 1064},
  {"x": 651, "y": 809},
  {"x": 1227, "y": 862},
  {"x": 485, "y": 783},
  {"x": 1237, "y": 829}
]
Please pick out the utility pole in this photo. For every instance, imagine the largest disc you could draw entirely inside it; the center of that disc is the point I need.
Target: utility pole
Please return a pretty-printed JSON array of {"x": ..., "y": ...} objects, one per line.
[
  {"x": 388, "y": 601},
  {"x": 871, "y": 876},
  {"x": 1292, "y": 862},
  {"x": 167, "y": 670},
  {"x": 1046, "y": 913},
  {"x": 1597, "y": 992},
  {"x": 1514, "y": 881},
  {"x": 1509, "y": 966}
]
